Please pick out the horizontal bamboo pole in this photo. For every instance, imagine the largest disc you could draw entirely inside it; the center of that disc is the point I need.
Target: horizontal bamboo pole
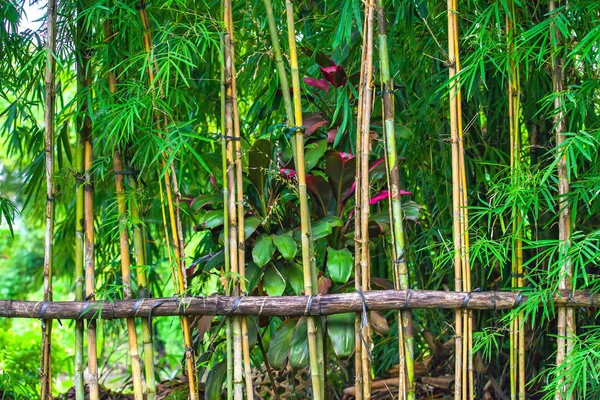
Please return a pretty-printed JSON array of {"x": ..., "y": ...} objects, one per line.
[{"x": 378, "y": 300}]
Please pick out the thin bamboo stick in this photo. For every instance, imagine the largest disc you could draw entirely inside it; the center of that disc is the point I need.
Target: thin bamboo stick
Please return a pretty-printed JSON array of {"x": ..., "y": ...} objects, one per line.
[
  {"x": 517, "y": 334},
  {"x": 79, "y": 269},
  {"x": 49, "y": 111},
  {"x": 362, "y": 278},
  {"x": 401, "y": 269},
  {"x": 315, "y": 336},
  {"x": 170, "y": 180},
  {"x": 143, "y": 290},
  {"x": 566, "y": 316}
]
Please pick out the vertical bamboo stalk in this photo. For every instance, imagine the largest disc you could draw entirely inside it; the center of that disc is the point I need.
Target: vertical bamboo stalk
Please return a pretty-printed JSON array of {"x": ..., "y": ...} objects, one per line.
[
  {"x": 143, "y": 290},
  {"x": 238, "y": 384},
  {"x": 84, "y": 82},
  {"x": 400, "y": 266},
  {"x": 517, "y": 334},
  {"x": 79, "y": 273},
  {"x": 315, "y": 337},
  {"x": 173, "y": 203},
  {"x": 358, "y": 241},
  {"x": 240, "y": 204},
  {"x": 566, "y": 316},
  {"x": 49, "y": 110},
  {"x": 464, "y": 376},
  {"x": 362, "y": 278},
  {"x": 136, "y": 372},
  {"x": 225, "y": 188}
]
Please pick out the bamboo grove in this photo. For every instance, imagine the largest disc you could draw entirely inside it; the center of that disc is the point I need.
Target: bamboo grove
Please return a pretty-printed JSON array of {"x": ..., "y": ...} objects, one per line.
[{"x": 358, "y": 199}]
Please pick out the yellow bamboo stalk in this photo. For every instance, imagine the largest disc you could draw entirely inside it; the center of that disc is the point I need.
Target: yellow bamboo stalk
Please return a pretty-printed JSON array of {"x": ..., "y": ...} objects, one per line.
[
  {"x": 315, "y": 337},
  {"x": 362, "y": 196},
  {"x": 49, "y": 110},
  {"x": 170, "y": 180},
  {"x": 240, "y": 204},
  {"x": 136, "y": 371}
]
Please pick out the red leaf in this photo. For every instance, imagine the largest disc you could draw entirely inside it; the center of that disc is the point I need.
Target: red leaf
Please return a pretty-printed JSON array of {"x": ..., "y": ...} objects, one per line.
[
  {"x": 313, "y": 122},
  {"x": 331, "y": 135},
  {"x": 384, "y": 195},
  {"x": 317, "y": 83},
  {"x": 288, "y": 173},
  {"x": 335, "y": 74}
]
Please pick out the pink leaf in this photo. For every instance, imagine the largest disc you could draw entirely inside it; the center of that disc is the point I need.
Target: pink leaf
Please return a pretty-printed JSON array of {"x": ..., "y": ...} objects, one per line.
[
  {"x": 346, "y": 156},
  {"x": 313, "y": 122},
  {"x": 288, "y": 173},
  {"x": 331, "y": 135},
  {"x": 384, "y": 194},
  {"x": 335, "y": 74},
  {"x": 317, "y": 83}
]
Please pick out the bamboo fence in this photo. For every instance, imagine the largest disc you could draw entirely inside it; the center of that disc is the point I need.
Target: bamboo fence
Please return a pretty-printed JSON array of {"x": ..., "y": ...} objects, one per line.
[{"x": 235, "y": 304}]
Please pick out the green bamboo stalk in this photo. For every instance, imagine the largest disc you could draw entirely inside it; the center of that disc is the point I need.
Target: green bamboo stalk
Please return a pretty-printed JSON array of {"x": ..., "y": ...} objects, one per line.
[
  {"x": 566, "y": 316},
  {"x": 315, "y": 336},
  {"x": 49, "y": 111},
  {"x": 225, "y": 189},
  {"x": 517, "y": 336},
  {"x": 238, "y": 384},
  {"x": 143, "y": 290},
  {"x": 396, "y": 205}
]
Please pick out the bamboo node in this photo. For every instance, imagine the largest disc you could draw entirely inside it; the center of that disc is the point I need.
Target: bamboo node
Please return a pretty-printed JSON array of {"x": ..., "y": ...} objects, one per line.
[
  {"x": 141, "y": 6},
  {"x": 227, "y": 137}
]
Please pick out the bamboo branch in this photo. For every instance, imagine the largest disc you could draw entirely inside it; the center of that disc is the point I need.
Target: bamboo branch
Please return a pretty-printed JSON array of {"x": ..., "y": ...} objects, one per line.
[
  {"x": 400, "y": 265},
  {"x": 49, "y": 111},
  {"x": 375, "y": 300}
]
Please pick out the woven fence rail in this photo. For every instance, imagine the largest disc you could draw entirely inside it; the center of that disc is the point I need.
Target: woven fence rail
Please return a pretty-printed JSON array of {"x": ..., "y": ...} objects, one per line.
[{"x": 379, "y": 300}]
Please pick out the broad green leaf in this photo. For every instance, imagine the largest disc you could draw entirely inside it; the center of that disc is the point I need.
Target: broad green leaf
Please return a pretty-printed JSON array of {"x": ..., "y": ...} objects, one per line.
[
  {"x": 280, "y": 344},
  {"x": 339, "y": 264},
  {"x": 263, "y": 250},
  {"x": 299, "y": 345},
  {"x": 286, "y": 245},
  {"x": 212, "y": 219},
  {"x": 214, "y": 381},
  {"x": 253, "y": 275},
  {"x": 250, "y": 226},
  {"x": 340, "y": 328},
  {"x": 216, "y": 261},
  {"x": 314, "y": 152},
  {"x": 295, "y": 277},
  {"x": 273, "y": 282}
]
